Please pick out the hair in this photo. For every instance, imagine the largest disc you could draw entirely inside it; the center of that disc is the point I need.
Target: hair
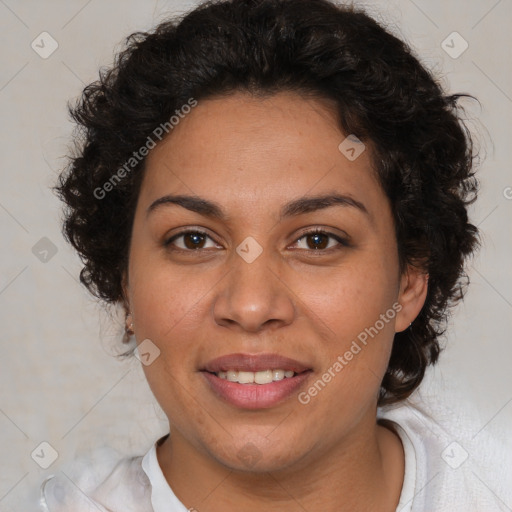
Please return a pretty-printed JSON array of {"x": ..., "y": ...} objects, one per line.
[{"x": 421, "y": 149}]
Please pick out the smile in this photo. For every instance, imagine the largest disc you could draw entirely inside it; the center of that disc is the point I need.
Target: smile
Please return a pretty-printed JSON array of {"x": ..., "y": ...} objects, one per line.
[
  {"x": 255, "y": 381},
  {"x": 261, "y": 377}
]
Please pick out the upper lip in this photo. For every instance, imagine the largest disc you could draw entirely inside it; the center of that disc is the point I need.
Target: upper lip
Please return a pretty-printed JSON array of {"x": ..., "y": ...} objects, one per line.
[{"x": 254, "y": 363}]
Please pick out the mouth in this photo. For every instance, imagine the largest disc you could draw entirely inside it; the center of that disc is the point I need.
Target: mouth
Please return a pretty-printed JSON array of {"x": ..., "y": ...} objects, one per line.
[
  {"x": 255, "y": 363},
  {"x": 261, "y": 377},
  {"x": 255, "y": 381}
]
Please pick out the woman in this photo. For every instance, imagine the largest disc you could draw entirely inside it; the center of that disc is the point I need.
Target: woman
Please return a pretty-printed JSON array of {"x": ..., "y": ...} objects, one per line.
[{"x": 276, "y": 193}]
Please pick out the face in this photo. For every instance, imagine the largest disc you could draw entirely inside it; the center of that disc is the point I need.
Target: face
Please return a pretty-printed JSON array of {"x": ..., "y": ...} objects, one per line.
[{"x": 249, "y": 274}]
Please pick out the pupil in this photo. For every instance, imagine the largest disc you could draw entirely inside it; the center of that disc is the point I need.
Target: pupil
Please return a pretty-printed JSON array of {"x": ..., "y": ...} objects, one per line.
[
  {"x": 195, "y": 238},
  {"x": 317, "y": 240}
]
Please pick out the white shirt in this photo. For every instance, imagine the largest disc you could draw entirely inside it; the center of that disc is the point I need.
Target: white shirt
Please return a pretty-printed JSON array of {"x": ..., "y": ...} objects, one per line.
[{"x": 449, "y": 466}]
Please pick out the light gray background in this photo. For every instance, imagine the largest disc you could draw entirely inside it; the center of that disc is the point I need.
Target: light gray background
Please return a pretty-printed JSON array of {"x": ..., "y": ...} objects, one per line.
[{"x": 59, "y": 382}]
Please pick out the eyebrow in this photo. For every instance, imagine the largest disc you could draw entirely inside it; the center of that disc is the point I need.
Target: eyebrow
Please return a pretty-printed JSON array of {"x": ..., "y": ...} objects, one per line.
[{"x": 296, "y": 207}]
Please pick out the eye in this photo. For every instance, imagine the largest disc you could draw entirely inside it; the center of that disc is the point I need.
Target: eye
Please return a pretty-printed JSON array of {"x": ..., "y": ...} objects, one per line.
[
  {"x": 313, "y": 240},
  {"x": 318, "y": 240},
  {"x": 189, "y": 240}
]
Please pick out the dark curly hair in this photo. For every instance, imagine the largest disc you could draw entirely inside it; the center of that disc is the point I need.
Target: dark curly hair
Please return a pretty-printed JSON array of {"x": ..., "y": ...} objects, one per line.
[{"x": 421, "y": 149}]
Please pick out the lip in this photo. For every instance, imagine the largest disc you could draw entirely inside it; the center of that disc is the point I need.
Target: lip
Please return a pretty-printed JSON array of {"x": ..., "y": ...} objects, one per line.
[
  {"x": 254, "y": 363},
  {"x": 255, "y": 396}
]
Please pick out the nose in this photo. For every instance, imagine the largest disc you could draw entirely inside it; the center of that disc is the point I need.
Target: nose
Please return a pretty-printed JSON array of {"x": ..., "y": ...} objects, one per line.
[{"x": 252, "y": 297}]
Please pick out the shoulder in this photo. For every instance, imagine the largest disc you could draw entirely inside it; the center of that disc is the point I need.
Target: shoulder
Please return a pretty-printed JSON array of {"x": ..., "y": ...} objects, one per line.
[
  {"x": 457, "y": 465},
  {"x": 99, "y": 485}
]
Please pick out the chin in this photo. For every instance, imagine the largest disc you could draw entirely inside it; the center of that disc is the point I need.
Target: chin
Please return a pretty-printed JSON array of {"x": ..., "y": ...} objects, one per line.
[{"x": 258, "y": 457}]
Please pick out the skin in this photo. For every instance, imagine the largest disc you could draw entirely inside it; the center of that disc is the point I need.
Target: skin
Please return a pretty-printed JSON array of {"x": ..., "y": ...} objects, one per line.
[{"x": 251, "y": 156}]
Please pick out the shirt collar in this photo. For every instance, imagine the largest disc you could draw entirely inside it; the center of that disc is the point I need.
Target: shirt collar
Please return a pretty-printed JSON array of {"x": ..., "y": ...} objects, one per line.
[{"x": 163, "y": 498}]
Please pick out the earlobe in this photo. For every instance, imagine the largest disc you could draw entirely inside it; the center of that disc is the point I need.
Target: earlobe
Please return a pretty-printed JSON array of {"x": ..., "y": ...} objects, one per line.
[{"x": 413, "y": 292}]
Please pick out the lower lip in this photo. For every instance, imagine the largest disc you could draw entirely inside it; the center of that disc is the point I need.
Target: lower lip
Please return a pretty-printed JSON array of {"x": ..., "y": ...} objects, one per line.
[{"x": 255, "y": 396}]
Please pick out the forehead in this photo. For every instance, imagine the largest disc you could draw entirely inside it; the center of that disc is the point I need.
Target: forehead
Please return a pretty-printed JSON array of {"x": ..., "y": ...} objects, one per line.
[{"x": 251, "y": 151}]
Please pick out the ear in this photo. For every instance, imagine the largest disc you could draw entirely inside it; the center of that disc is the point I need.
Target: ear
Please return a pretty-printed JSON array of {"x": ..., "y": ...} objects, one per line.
[
  {"x": 125, "y": 300},
  {"x": 412, "y": 295}
]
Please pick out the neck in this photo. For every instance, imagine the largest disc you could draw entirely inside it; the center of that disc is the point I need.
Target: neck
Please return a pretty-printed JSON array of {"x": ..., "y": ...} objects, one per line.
[{"x": 362, "y": 472}]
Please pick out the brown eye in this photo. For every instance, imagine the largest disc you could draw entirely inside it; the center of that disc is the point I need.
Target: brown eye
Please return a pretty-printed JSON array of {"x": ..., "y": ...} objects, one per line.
[
  {"x": 189, "y": 240},
  {"x": 318, "y": 240}
]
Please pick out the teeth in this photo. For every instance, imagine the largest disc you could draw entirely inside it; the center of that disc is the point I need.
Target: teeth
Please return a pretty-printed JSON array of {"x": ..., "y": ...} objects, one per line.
[
  {"x": 278, "y": 374},
  {"x": 262, "y": 377},
  {"x": 246, "y": 377}
]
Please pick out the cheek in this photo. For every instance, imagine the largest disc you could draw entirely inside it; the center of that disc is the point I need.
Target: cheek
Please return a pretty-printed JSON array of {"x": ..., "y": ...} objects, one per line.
[
  {"x": 350, "y": 298},
  {"x": 357, "y": 303},
  {"x": 358, "y": 308},
  {"x": 164, "y": 299},
  {"x": 168, "y": 308}
]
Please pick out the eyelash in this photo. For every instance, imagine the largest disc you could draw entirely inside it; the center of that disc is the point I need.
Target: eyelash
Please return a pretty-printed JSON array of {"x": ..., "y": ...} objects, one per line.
[{"x": 316, "y": 231}]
